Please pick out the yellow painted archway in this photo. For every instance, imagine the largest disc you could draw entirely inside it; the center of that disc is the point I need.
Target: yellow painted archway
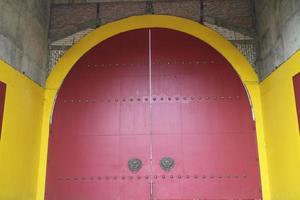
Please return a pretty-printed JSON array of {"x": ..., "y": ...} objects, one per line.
[{"x": 224, "y": 47}]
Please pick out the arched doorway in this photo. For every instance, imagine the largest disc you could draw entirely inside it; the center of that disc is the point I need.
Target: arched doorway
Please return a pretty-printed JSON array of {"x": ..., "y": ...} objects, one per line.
[{"x": 162, "y": 99}]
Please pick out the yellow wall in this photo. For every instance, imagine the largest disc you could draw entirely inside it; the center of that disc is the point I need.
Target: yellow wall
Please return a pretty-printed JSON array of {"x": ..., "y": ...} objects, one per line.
[
  {"x": 282, "y": 131},
  {"x": 21, "y": 133}
]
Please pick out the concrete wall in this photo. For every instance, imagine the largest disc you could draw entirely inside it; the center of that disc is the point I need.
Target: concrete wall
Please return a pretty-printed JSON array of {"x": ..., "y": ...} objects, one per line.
[
  {"x": 24, "y": 36},
  {"x": 278, "y": 33},
  {"x": 66, "y": 19}
]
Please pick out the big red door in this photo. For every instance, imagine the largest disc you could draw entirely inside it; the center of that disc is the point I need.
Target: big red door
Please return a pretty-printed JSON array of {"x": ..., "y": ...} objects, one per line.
[{"x": 152, "y": 114}]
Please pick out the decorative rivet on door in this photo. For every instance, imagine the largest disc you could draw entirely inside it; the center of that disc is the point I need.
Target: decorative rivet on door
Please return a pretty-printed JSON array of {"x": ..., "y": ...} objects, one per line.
[
  {"x": 135, "y": 165},
  {"x": 167, "y": 163}
]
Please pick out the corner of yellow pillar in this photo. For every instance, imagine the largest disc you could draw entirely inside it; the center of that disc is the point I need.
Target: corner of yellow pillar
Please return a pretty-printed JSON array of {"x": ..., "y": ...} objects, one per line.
[
  {"x": 20, "y": 142},
  {"x": 281, "y": 130}
]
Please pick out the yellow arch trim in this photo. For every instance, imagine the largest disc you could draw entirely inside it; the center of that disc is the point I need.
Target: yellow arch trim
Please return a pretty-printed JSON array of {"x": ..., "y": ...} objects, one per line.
[
  {"x": 224, "y": 47},
  {"x": 240, "y": 64}
]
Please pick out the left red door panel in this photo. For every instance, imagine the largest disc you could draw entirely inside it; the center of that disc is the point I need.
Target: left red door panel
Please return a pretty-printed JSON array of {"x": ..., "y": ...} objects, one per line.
[
  {"x": 101, "y": 121},
  {"x": 2, "y": 99}
]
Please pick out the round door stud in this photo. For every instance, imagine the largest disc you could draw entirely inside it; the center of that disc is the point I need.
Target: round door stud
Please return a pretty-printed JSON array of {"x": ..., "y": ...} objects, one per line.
[
  {"x": 167, "y": 163},
  {"x": 134, "y": 165}
]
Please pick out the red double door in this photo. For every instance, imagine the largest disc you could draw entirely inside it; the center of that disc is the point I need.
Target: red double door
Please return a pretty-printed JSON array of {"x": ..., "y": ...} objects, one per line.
[{"x": 152, "y": 114}]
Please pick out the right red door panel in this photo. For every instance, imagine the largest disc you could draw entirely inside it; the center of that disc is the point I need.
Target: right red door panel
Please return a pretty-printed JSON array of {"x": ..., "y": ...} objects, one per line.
[{"x": 202, "y": 119}]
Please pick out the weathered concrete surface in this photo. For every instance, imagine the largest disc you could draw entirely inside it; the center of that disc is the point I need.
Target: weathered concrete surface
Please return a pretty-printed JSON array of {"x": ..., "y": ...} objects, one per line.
[
  {"x": 67, "y": 19},
  {"x": 24, "y": 36},
  {"x": 278, "y": 33},
  {"x": 70, "y": 18}
]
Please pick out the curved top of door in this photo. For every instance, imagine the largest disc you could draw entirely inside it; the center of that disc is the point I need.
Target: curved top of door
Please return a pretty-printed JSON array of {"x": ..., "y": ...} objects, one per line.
[{"x": 214, "y": 39}]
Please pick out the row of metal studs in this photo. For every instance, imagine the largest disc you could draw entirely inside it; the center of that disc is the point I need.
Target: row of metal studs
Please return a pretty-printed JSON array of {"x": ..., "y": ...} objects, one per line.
[
  {"x": 154, "y": 63},
  {"x": 155, "y": 177},
  {"x": 155, "y": 99}
]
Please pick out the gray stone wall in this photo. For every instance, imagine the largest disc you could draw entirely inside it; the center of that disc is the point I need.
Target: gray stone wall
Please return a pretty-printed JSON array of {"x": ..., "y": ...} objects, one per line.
[
  {"x": 24, "y": 36},
  {"x": 278, "y": 33},
  {"x": 71, "y": 16}
]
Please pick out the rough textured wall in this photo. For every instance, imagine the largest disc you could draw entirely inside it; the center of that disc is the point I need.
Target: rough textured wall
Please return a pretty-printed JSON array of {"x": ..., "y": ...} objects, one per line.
[
  {"x": 24, "y": 36},
  {"x": 68, "y": 18},
  {"x": 278, "y": 33},
  {"x": 91, "y": 1}
]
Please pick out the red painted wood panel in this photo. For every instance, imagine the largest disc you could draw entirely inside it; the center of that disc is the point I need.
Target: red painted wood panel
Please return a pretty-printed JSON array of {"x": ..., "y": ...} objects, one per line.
[
  {"x": 199, "y": 115},
  {"x": 296, "y": 80},
  {"x": 2, "y": 100},
  {"x": 202, "y": 119},
  {"x": 100, "y": 121}
]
